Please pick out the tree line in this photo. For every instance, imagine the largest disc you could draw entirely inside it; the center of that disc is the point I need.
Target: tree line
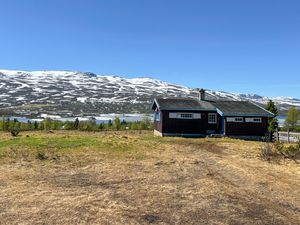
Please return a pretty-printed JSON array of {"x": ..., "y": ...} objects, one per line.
[
  {"x": 292, "y": 121},
  {"x": 7, "y": 124}
]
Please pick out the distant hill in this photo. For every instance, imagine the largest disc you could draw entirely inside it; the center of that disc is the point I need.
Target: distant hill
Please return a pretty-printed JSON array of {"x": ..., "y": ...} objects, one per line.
[{"x": 71, "y": 93}]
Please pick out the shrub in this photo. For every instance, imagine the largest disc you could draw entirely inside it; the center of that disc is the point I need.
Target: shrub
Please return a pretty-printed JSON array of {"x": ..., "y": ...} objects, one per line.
[
  {"x": 279, "y": 146},
  {"x": 267, "y": 151},
  {"x": 14, "y": 133},
  {"x": 293, "y": 151},
  {"x": 18, "y": 153},
  {"x": 41, "y": 155}
]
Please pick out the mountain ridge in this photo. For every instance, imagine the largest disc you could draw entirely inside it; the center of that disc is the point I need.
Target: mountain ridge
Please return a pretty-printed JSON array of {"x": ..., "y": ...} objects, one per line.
[{"x": 73, "y": 93}]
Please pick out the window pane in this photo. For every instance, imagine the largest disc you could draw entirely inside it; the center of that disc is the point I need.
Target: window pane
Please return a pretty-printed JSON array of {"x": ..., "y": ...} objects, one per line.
[
  {"x": 197, "y": 115},
  {"x": 254, "y": 120},
  {"x": 173, "y": 115},
  {"x": 157, "y": 116},
  {"x": 212, "y": 118},
  {"x": 235, "y": 119}
]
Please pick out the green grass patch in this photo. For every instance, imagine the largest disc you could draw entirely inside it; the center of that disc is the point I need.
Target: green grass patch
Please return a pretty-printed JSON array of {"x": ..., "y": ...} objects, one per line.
[{"x": 48, "y": 146}]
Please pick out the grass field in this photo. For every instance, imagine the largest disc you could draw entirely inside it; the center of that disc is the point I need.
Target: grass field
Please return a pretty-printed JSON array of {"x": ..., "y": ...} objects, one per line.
[{"x": 135, "y": 178}]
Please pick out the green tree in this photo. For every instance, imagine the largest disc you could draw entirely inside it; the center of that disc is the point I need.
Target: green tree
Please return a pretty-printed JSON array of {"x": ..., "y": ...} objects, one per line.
[
  {"x": 145, "y": 123},
  {"x": 92, "y": 124},
  {"x": 134, "y": 126},
  {"x": 14, "y": 126},
  {"x": 109, "y": 124},
  {"x": 101, "y": 126},
  {"x": 82, "y": 125},
  {"x": 29, "y": 125},
  {"x": 76, "y": 124},
  {"x": 47, "y": 124},
  {"x": 292, "y": 118},
  {"x": 5, "y": 124},
  {"x": 8, "y": 123},
  {"x": 35, "y": 125},
  {"x": 41, "y": 125},
  {"x": 24, "y": 126},
  {"x": 69, "y": 125},
  {"x": 117, "y": 123},
  {"x": 56, "y": 125},
  {"x": 273, "y": 122}
]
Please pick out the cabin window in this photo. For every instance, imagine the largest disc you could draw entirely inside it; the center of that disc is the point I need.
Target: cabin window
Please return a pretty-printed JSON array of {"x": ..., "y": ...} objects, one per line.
[
  {"x": 212, "y": 118},
  {"x": 235, "y": 119},
  {"x": 173, "y": 115},
  {"x": 157, "y": 116},
  {"x": 197, "y": 115},
  {"x": 185, "y": 115},
  {"x": 253, "y": 120}
]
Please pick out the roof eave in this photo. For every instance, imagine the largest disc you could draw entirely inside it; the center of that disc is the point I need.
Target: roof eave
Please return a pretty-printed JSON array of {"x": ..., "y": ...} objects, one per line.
[
  {"x": 256, "y": 115},
  {"x": 189, "y": 109},
  {"x": 155, "y": 102}
]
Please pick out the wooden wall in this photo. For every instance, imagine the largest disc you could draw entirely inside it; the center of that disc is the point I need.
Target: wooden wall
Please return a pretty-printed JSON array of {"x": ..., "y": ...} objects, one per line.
[
  {"x": 187, "y": 126},
  {"x": 201, "y": 126},
  {"x": 158, "y": 124},
  {"x": 247, "y": 129}
]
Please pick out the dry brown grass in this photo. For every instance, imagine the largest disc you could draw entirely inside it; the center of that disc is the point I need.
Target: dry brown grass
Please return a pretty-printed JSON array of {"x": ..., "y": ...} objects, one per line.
[{"x": 132, "y": 178}]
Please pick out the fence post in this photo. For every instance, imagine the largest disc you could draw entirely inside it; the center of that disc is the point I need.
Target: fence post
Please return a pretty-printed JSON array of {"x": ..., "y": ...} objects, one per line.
[
  {"x": 288, "y": 133},
  {"x": 277, "y": 134}
]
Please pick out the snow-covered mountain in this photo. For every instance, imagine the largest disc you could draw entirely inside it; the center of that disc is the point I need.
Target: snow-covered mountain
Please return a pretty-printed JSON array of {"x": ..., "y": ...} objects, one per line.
[{"x": 70, "y": 93}]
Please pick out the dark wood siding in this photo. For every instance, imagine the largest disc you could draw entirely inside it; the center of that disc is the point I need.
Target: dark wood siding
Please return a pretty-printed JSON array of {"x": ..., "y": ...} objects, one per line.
[
  {"x": 246, "y": 128},
  {"x": 188, "y": 126}
]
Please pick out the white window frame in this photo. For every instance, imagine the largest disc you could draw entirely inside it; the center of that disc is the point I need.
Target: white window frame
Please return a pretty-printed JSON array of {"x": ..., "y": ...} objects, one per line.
[
  {"x": 157, "y": 116},
  {"x": 184, "y": 115},
  {"x": 172, "y": 115},
  {"x": 197, "y": 115},
  {"x": 212, "y": 121},
  {"x": 253, "y": 120},
  {"x": 235, "y": 119}
]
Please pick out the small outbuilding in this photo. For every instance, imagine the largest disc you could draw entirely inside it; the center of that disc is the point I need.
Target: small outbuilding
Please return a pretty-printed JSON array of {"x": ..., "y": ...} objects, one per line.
[{"x": 192, "y": 117}]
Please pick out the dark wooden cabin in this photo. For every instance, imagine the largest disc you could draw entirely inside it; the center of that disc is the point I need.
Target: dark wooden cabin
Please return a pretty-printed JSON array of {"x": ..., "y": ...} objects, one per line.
[
  {"x": 191, "y": 117},
  {"x": 243, "y": 118}
]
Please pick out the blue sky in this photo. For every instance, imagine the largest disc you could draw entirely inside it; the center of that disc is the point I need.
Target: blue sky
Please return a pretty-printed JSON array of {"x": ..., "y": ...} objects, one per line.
[{"x": 247, "y": 46}]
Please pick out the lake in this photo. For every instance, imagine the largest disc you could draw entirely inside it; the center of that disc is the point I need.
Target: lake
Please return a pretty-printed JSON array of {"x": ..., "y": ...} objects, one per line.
[
  {"x": 102, "y": 118},
  {"x": 105, "y": 118},
  {"x": 281, "y": 120}
]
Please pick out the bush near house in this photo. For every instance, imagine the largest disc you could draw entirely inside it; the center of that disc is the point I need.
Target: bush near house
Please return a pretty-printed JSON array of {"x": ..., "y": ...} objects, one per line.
[{"x": 278, "y": 150}]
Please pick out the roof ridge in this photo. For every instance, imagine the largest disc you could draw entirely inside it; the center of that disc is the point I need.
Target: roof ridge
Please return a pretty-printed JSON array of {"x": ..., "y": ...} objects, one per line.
[
  {"x": 179, "y": 98},
  {"x": 221, "y": 100},
  {"x": 183, "y": 103}
]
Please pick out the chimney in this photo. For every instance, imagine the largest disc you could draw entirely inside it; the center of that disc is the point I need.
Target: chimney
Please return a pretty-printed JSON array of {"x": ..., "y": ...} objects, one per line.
[{"x": 201, "y": 94}]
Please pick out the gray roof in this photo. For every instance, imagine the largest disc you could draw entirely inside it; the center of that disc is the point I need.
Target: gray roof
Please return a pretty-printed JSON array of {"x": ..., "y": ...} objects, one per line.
[
  {"x": 182, "y": 104},
  {"x": 236, "y": 108},
  {"x": 226, "y": 108}
]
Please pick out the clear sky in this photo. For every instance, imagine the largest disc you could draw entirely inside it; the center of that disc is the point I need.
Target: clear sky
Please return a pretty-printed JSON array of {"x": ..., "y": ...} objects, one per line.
[{"x": 246, "y": 46}]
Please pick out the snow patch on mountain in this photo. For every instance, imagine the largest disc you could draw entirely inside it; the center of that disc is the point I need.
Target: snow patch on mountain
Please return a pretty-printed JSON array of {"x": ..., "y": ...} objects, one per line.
[{"x": 72, "y": 92}]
